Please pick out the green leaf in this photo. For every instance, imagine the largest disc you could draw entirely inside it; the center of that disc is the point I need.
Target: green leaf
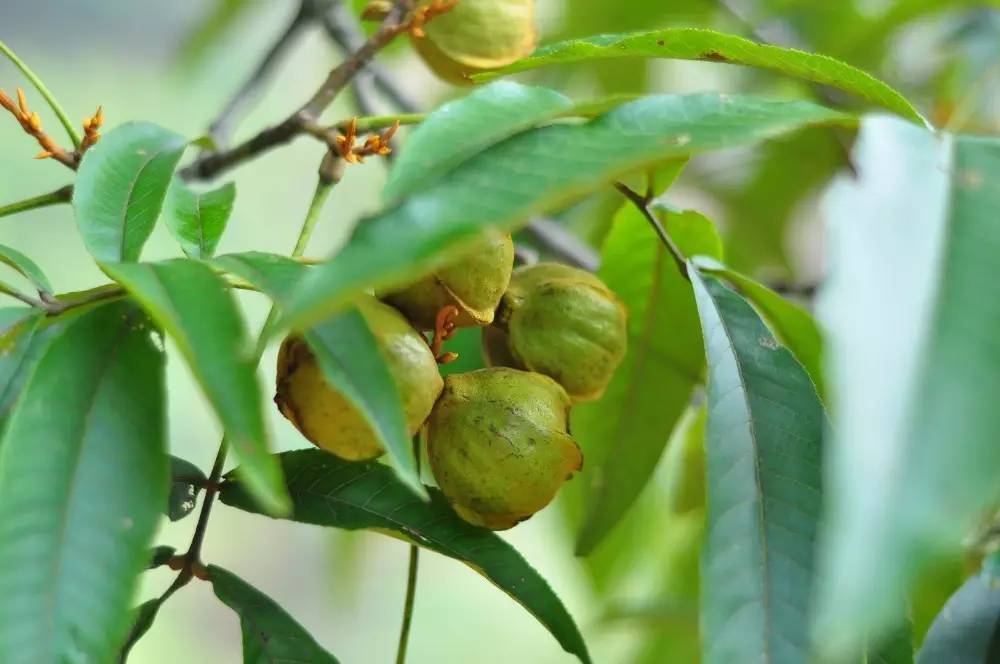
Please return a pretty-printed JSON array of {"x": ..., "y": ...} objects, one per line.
[
  {"x": 160, "y": 555},
  {"x": 665, "y": 360},
  {"x": 11, "y": 316},
  {"x": 269, "y": 634},
  {"x": 535, "y": 171},
  {"x": 193, "y": 305},
  {"x": 120, "y": 187},
  {"x": 460, "y": 129},
  {"x": 328, "y": 491},
  {"x": 18, "y": 352},
  {"x": 710, "y": 46},
  {"x": 909, "y": 310},
  {"x": 20, "y": 348},
  {"x": 965, "y": 632},
  {"x": 347, "y": 353},
  {"x": 765, "y": 423},
  {"x": 277, "y": 276},
  {"x": 186, "y": 481},
  {"x": 895, "y": 648},
  {"x": 795, "y": 328},
  {"x": 83, "y": 476},
  {"x": 197, "y": 220},
  {"x": 26, "y": 267},
  {"x": 142, "y": 618}
]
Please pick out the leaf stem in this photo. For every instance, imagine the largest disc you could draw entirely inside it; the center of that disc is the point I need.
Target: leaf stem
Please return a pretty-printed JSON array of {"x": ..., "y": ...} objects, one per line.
[
  {"x": 411, "y": 581},
  {"x": 74, "y": 135},
  {"x": 61, "y": 195},
  {"x": 642, "y": 204}
]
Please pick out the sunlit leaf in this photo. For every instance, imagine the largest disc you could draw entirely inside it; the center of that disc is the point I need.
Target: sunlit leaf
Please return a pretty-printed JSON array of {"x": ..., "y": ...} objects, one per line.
[
  {"x": 194, "y": 307},
  {"x": 83, "y": 477},
  {"x": 270, "y": 635},
  {"x": 710, "y": 46},
  {"x": 765, "y": 423},
  {"x": 460, "y": 129},
  {"x": 329, "y": 491},
  {"x": 120, "y": 187},
  {"x": 913, "y": 366},
  {"x": 198, "y": 219},
  {"x": 534, "y": 171}
]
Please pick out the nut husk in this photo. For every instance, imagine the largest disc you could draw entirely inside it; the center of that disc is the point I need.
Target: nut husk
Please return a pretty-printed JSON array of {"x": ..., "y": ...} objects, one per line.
[
  {"x": 478, "y": 35},
  {"x": 499, "y": 445},
  {"x": 474, "y": 284},
  {"x": 326, "y": 416},
  {"x": 562, "y": 322}
]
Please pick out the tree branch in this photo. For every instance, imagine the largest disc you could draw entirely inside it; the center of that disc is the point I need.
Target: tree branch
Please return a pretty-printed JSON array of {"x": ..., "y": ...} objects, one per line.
[
  {"x": 213, "y": 164},
  {"x": 342, "y": 28},
  {"x": 246, "y": 96},
  {"x": 562, "y": 244},
  {"x": 642, "y": 204}
]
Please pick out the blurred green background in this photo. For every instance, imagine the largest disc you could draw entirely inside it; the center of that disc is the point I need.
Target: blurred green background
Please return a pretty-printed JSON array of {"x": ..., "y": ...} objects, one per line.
[{"x": 634, "y": 599}]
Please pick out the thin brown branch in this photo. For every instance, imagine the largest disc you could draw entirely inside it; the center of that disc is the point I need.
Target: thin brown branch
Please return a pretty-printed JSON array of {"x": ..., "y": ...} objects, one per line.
[
  {"x": 338, "y": 79},
  {"x": 343, "y": 30},
  {"x": 246, "y": 96},
  {"x": 642, "y": 204}
]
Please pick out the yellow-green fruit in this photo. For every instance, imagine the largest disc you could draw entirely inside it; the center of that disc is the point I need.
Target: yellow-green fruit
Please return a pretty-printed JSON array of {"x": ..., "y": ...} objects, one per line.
[
  {"x": 330, "y": 420},
  {"x": 474, "y": 284},
  {"x": 478, "y": 35},
  {"x": 499, "y": 444},
  {"x": 561, "y": 322}
]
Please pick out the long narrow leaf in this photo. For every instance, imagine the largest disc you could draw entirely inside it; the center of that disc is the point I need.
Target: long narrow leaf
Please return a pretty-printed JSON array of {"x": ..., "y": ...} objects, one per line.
[
  {"x": 328, "y": 491},
  {"x": 765, "y": 423},
  {"x": 711, "y": 46},
  {"x": 534, "y": 171},
  {"x": 83, "y": 477},
  {"x": 911, "y": 308}
]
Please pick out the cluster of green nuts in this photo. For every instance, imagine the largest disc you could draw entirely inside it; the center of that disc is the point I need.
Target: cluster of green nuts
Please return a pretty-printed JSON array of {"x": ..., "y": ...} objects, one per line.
[{"x": 498, "y": 438}]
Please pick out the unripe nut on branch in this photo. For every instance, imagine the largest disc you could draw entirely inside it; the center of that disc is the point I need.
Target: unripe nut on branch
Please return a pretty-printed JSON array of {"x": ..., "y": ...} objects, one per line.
[
  {"x": 326, "y": 416},
  {"x": 478, "y": 35},
  {"x": 562, "y": 322},
  {"x": 499, "y": 445},
  {"x": 473, "y": 284}
]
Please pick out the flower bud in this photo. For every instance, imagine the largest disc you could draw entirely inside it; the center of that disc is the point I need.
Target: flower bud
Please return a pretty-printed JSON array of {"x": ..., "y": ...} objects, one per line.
[
  {"x": 561, "y": 322},
  {"x": 499, "y": 446},
  {"x": 332, "y": 421},
  {"x": 473, "y": 284}
]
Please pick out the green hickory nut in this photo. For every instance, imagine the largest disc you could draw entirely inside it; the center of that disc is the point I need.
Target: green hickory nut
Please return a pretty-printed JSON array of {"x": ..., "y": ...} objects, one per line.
[
  {"x": 473, "y": 284},
  {"x": 477, "y": 35},
  {"x": 562, "y": 322},
  {"x": 331, "y": 421},
  {"x": 499, "y": 445}
]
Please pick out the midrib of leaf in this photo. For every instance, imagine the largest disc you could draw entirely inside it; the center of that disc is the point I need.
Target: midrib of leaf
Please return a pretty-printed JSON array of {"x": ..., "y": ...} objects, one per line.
[
  {"x": 129, "y": 202},
  {"x": 54, "y": 588},
  {"x": 765, "y": 575},
  {"x": 200, "y": 226}
]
